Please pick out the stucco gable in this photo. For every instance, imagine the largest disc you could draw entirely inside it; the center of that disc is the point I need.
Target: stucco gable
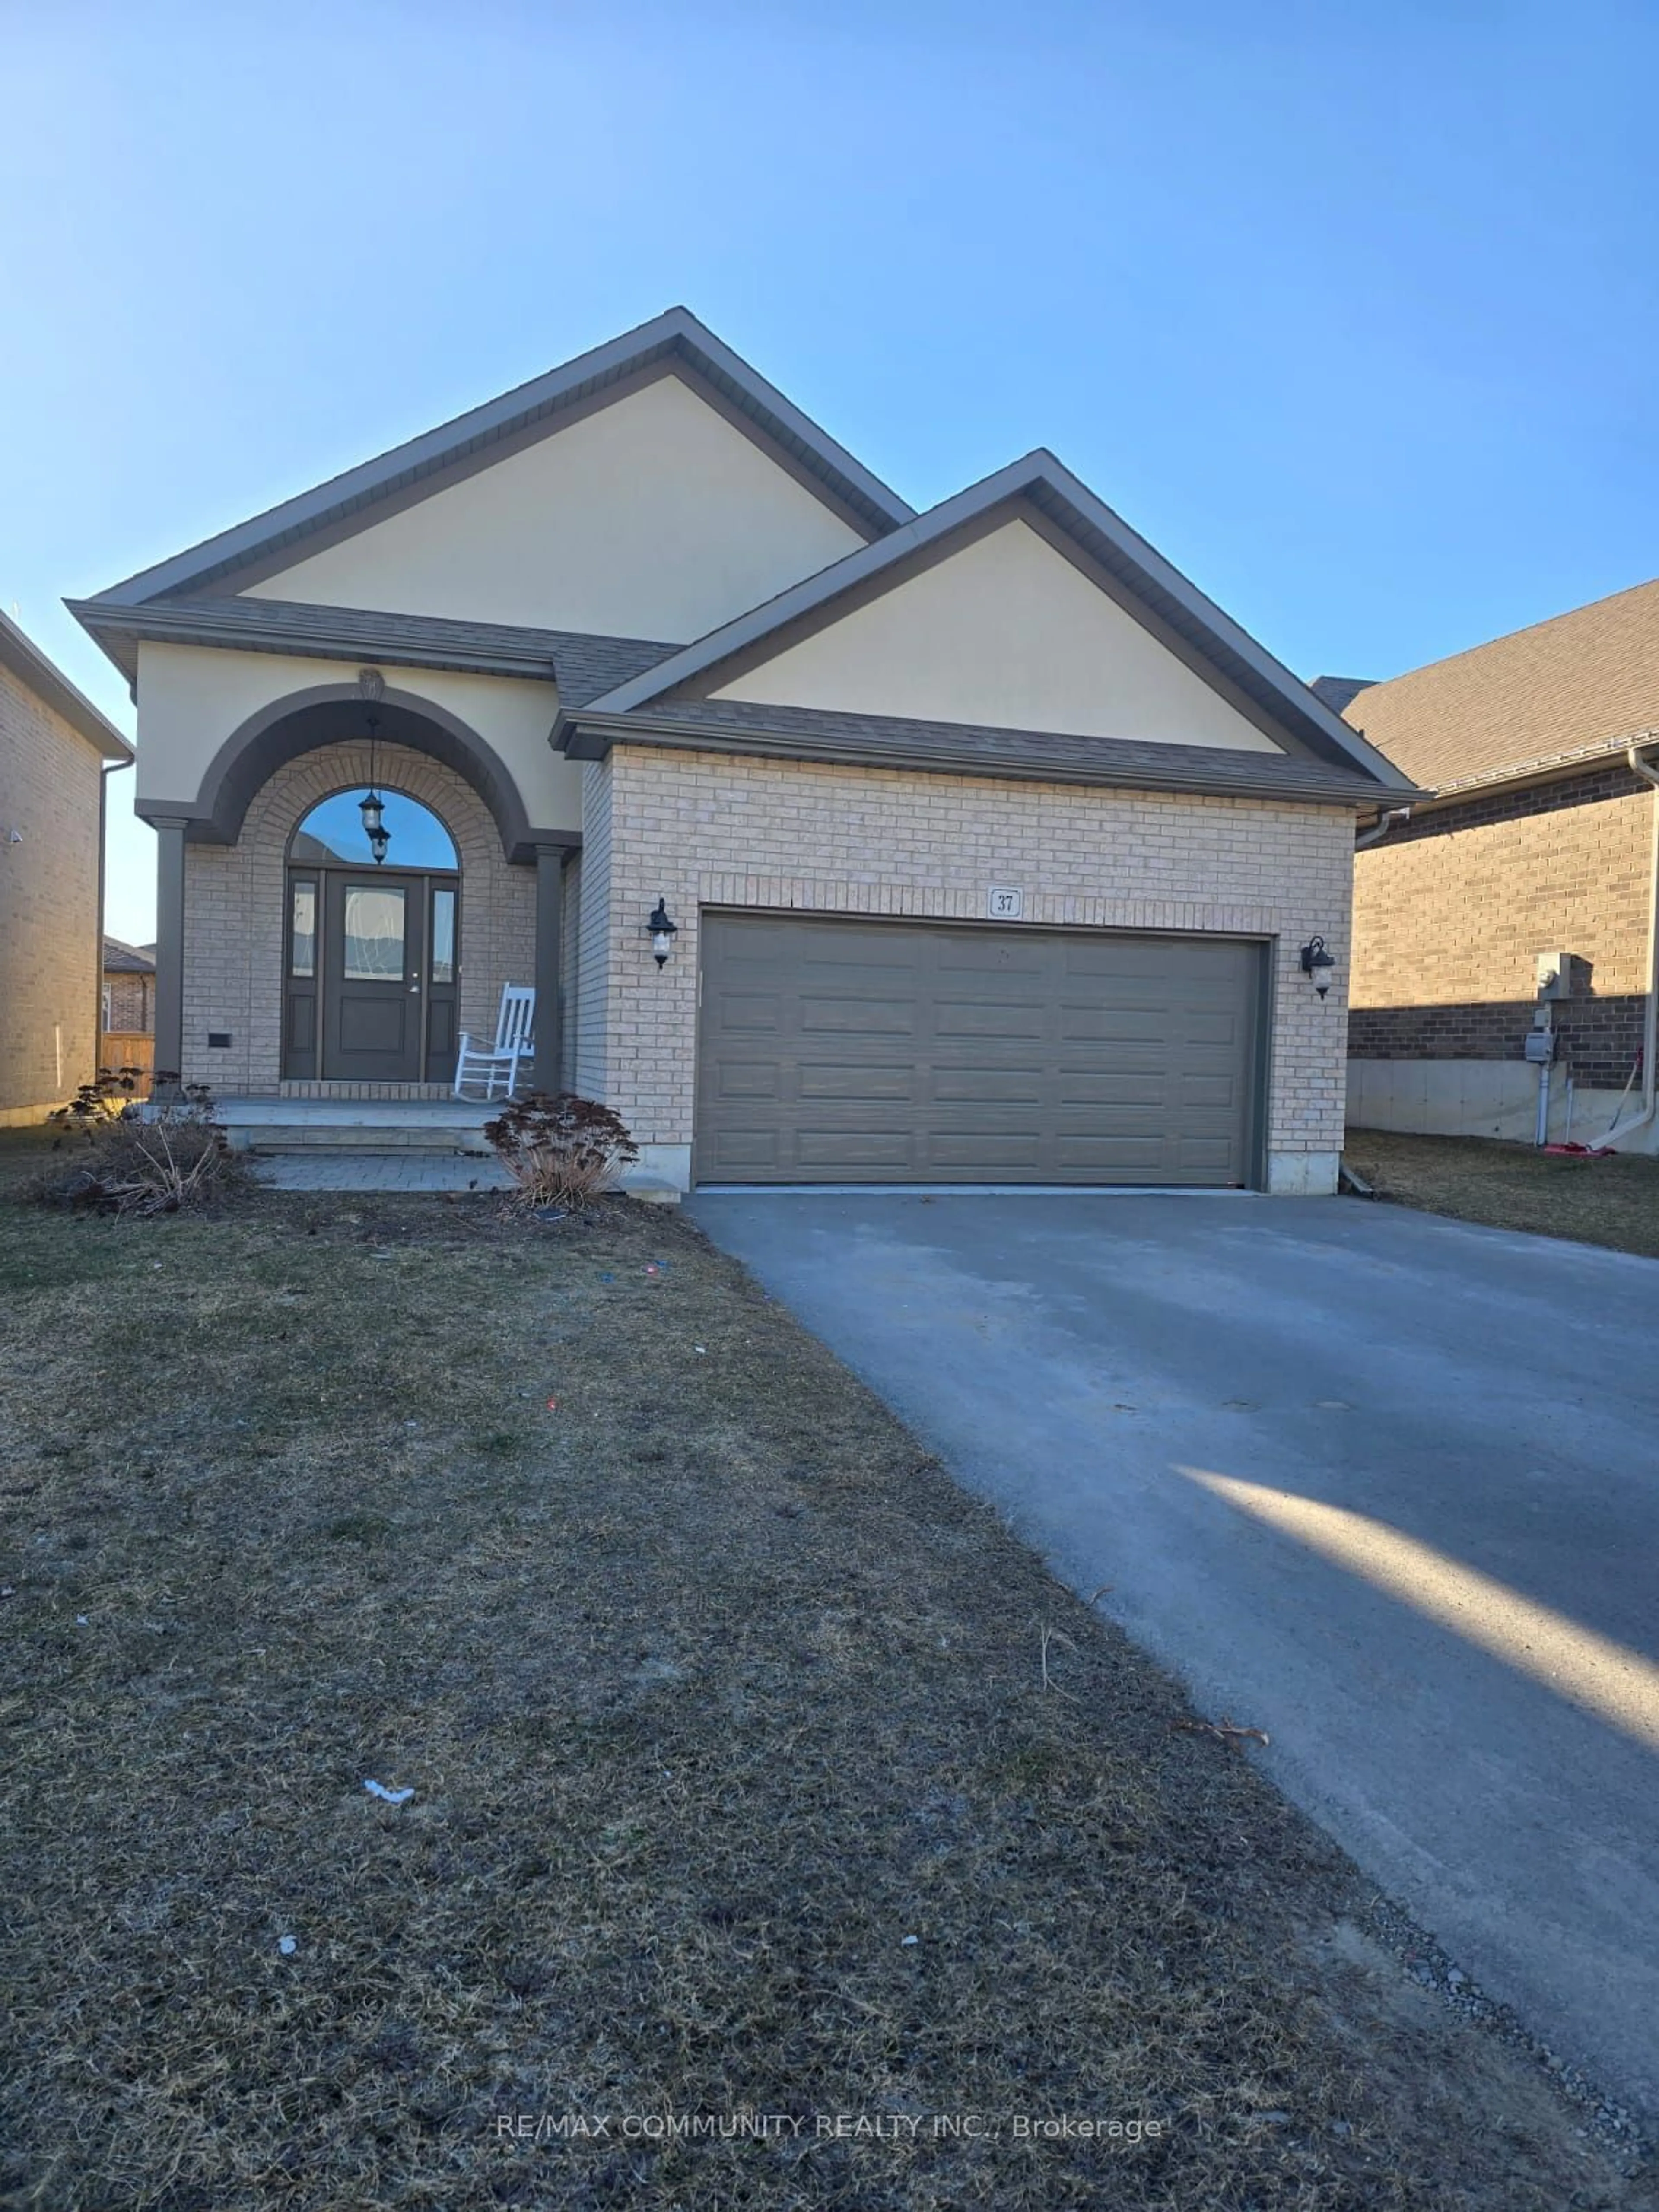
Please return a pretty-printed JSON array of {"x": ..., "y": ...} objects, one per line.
[
  {"x": 1123, "y": 629},
  {"x": 652, "y": 515},
  {"x": 1005, "y": 632}
]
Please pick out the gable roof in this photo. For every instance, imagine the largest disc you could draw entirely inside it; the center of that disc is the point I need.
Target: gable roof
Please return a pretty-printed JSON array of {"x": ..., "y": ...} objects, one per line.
[
  {"x": 1577, "y": 686},
  {"x": 1191, "y": 624},
  {"x": 674, "y": 339},
  {"x": 814, "y": 733},
  {"x": 122, "y": 959},
  {"x": 19, "y": 653}
]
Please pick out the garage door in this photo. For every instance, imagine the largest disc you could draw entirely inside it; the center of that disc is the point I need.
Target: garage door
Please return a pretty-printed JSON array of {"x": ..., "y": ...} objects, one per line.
[{"x": 835, "y": 1051}]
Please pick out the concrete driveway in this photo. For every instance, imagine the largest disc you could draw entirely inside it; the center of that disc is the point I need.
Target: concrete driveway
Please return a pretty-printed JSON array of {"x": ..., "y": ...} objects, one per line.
[{"x": 1383, "y": 1485}]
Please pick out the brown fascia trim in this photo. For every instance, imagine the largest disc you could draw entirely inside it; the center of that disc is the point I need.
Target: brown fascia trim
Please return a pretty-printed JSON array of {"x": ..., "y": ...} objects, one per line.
[
  {"x": 120, "y": 630},
  {"x": 586, "y": 736}
]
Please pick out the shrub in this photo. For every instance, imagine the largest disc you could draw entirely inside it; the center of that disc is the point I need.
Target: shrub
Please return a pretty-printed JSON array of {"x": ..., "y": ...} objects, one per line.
[
  {"x": 102, "y": 1099},
  {"x": 562, "y": 1150},
  {"x": 128, "y": 1161}
]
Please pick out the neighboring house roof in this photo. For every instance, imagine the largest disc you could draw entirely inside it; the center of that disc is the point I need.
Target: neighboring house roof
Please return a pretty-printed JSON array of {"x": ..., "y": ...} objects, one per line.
[
  {"x": 1574, "y": 687},
  {"x": 1337, "y": 692},
  {"x": 1043, "y": 484},
  {"x": 19, "y": 653},
  {"x": 580, "y": 663},
  {"x": 121, "y": 959},
  {"x": 354, "y": 500}
]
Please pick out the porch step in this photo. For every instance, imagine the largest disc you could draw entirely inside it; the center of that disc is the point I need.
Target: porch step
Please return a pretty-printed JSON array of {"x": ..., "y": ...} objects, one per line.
[{"x": 263, "y": 1137}]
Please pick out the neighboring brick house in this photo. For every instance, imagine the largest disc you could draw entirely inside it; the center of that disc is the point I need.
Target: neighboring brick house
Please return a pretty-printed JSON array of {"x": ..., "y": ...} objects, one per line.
[
  {"x": 989, "y": 844},
  {"x": 1542, "y": 839},
  {"x": 55, "y": 749},
  {"x": 128, "y": 989}
]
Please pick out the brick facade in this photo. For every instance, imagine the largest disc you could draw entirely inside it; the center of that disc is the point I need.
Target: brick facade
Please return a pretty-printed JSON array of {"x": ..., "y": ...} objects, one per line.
[
  {"x": 712, "y": 829},
  {"x": 51, "y": 951},
  {"x": 1600, "y": 1038},
  {"x": 1451, "y": 913},
  {"x": 129, "y": 1003},
  {"x": 235, "y": 914}
]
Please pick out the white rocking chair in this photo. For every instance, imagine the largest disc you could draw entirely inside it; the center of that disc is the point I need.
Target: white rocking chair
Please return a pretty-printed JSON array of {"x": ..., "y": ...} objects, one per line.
[{"x": 498, "y": 1070}]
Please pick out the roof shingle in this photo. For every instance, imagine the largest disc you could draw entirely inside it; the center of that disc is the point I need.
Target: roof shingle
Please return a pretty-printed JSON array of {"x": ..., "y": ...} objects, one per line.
[
  {"x": 962, "y": 749},
  {"x": 120, "y": 959},
  {"x": 580, "y": 664},
  {"x": 1578, "y": 684}
]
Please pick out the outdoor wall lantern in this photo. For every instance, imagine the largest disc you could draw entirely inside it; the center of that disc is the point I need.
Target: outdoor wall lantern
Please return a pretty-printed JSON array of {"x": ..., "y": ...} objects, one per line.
[
  {"x": 1318, "y": 964},
  {"x": 662, "y": 932},
  {"x": 371, "y": 686}
]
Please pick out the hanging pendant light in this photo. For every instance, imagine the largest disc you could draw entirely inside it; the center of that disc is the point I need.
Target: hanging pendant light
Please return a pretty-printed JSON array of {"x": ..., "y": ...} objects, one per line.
[{"x": 371, "y": 685}]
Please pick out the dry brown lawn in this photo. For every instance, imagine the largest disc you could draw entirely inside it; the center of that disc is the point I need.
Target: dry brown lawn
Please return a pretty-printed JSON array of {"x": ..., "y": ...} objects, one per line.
[
  {"x": 1612, "y": 1202},
  {"x": 737, "y": 1785}
]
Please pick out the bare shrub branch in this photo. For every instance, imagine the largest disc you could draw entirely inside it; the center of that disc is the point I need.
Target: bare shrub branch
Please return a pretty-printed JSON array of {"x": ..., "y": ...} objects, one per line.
[{"x": 563, "y": 1150}]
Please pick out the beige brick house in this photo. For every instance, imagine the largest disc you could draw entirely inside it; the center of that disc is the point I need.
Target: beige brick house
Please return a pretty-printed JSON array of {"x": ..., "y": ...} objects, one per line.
[
  {"x": 55, "y": 751},
  {"x": 1542, "y": 841},
  {"x": 128, "y": 989},
  {"x": 990, "y": 847}
]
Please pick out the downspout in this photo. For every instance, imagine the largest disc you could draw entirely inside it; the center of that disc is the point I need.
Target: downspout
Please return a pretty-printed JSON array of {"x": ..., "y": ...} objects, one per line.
[
  {"x": 1648, "y": 774},
  {"x": 106, "y": 768},
  {"x": 1379, "y": 828}
]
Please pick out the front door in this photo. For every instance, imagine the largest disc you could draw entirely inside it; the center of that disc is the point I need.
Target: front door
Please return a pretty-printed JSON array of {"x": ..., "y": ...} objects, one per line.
[{"x": 374, "y": 962}]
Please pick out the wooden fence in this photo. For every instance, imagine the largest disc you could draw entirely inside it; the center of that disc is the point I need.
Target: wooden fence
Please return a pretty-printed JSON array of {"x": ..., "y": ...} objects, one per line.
[{"x": 130, "y": 1049}]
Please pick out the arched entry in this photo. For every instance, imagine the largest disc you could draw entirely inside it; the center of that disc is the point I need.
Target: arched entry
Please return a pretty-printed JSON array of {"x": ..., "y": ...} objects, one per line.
[{"x": 371, "y": 948}]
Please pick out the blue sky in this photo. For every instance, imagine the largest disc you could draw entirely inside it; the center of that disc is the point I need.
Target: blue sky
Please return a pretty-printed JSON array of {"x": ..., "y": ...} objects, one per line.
[{"x": 1350, "y": 310}]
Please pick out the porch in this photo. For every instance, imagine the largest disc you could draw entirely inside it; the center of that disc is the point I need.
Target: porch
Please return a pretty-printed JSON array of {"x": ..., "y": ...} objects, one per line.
[
  {"x": 300, "y": 1120},
  {"x": 300, "y": 965},
  {"x": 433, "y": 1144}
]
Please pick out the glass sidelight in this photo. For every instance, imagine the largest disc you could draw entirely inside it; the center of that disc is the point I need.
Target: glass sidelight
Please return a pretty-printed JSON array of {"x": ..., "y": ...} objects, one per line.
[
  {"x": 302, "y": 931},
  {"x": 443, "y": 934}
]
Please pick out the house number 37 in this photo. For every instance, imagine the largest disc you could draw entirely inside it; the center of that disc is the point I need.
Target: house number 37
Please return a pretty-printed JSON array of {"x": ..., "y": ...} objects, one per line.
[{"x": 1002, "y": 904}]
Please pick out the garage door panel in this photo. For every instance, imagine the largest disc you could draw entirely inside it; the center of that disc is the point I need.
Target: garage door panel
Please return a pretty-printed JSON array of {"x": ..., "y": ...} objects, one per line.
[
  {"x": 1219, "y": 1028},
  {"x": 745, "y": 1151},
  {"x": 1116, "y": 1025},
  {"x": 836, "y": 1049},
  {"x": 1145, "y": 1088},
  {"x": 984, "y": 1156},
  {"x": 1219, "y": 1091},
  {"x": 836, "y": 1151},
  {"x": 858, "y": 1015},
  {"x": 967, "y": 1018},
  {"x": 883, "y": 1081},
  {"x": 761, "y": 1012},
  {"x": 749, "y": 1078},
  {"x": 1101, "y": 1157},
  {"x": 981, "y": 1084},
  {"x": 1202, "y": 1155}
]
